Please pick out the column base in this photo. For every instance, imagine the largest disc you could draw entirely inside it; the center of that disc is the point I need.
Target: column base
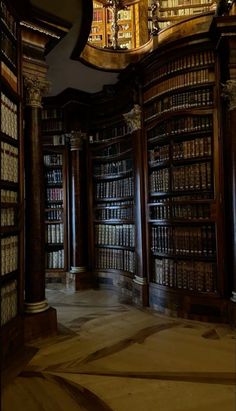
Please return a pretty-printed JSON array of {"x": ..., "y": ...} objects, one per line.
[
  {"x": 40, "y": 325},
  {"x": 35, "y": 308},
  {"x": 140, "y": 291},
  {"x": 79, "y": 278},
  {"x": 233, "y": 298}
]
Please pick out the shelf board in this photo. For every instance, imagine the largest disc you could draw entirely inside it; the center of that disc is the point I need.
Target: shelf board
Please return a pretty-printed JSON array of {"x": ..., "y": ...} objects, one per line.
[
  {"x": 9, "y": 229},
  {"x": 8, "y": 277},
  {"x": 173, "y": 202},
  {"x": 191, "y": 221},
  {"x": 179, "y": 137},
  {"x": 178, "y": 90},
  {"x": 115, "y": 271},
  {"x": 184, "y": 256},
  {"x": 159, "y": 164},
  {"x": 54, "y": 245},
  {"x": 117, "y": 247},
  {"x": 165, "y": 115},
  {"x": 179, "y": 193},
  {"x": 53, "y": 166},
  {"x": 108, "y": 158},
  {"x": 9, "y": 185},
  {"x": 7, "y": 89},
  {"x": 100, "y": 200},
  {"x": 8, "y": 32},
  {"x": 114, "y": 176},
  {"x": 9, "y": 140},
  {"x": 114, "y": 221},
  {"x": 8, "y": 205},
  {"x": 8, "y": 63},
  {"x": 51, "y": 185},
  {"x": 54, "y": 221}
]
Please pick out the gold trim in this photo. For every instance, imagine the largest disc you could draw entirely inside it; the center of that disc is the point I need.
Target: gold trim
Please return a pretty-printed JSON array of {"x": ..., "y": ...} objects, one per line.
[{"x": 34, "y": 308}]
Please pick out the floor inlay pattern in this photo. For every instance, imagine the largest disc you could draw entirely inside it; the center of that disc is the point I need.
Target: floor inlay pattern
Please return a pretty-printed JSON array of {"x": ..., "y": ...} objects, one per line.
[{"x": 113, "y": 357}]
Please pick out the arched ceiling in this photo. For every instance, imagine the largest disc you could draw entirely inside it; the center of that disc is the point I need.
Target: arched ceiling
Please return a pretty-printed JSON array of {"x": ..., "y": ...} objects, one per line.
[{"x": 63, "y": 71}]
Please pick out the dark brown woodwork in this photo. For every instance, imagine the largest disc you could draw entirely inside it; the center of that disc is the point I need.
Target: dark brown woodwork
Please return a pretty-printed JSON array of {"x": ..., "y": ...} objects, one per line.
[
  {"x": 34, "y": 215},
  {"x": 78, "y": 213}
]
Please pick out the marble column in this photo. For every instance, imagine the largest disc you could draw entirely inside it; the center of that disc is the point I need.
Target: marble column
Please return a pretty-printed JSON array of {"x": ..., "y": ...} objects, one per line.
[
  {"x": 133, "y": 121},
  {"x": 78, "y": 215},
  {"x": 229, "y": 93},
  {"x": 35, "y": 301}
]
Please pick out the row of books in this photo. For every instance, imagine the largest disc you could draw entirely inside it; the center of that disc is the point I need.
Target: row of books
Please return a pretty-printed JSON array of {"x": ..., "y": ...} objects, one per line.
[
  {"x": 180, "y": 101},
  {"x": 51, "y": 113},
  {"x": 9, "y": 162},
  {"x": 9, "y": 76},
  {"x": 120, "y": 235},
  {"x": 184, "y": 12},
  {"x": 52, "y": 159},
  {"x": 55, "y": 233},
  {"x": 54, "y": 194},
  {"x": 159, "y": 154},
  {"x": 8, "y": 217},
  {"x": 187, "y": 275},
  {"x": 52, "y": 124},
  {"x": 192, "y": 241},
  {"x": 8, "y": 48},
  {"x": 181, "y": 125},
  {"x": 8, "y": 19},
  {"x": 182, "y": 80},
  {"x": 192, "y": 177},
  {"x": 189, "y": 61},
  {"x": 159, "y": 181},
  {"x": 115, "y": 188},
  {"x": 9, "y": 254},
  {"x": 54, "y": 215},
  {"x": 115, "y": 167},
  {"x": 55, "y": 259},
  {"x": 178, "y": 3},
  {"x": 53, "y": 176},
  {"x": 115, "y": 259},
  {"x": 8, "y": 196},
  {"x": 198, "y": 147},
  {"x": 181, "y": 211},
  {"x": 114, "y": 213},
  {"x": 9, "y": 302},
  {"x": 8, "y": 117}
]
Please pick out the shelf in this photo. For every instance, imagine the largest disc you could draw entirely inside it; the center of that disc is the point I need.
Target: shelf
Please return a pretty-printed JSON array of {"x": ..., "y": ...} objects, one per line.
[
  {"x": 115, "y": 271},
  {"x": 187, "y": 6},
  {"x": 9, "y": 205},
  {"x": 173, "y": 202},
  {"x": 9, "y": 229},
  {"x": 179, "y": 193},
  {"x": 160, "y": 164},
  {"x": 8, "y": 32},
  {"x": 54, "y": 245},
  {"x": 108, "y": 158},
  {"x": 184, "y": 256},
  {"x": 8, "y": 63},
  {"x": 54, "y": 221},
  {"x": 179, "y": 137},
  {"x": 191, "y": 221},
  {"x": 180, "y": 89},
  {"x": 174, "y": 73},
  {"x": 52, "y": 166},
  {"x": 165, "y": 115},
  {"x": 114, "y": 221},
  {"x": 9, "y": 140},
  {"x": 7, "y": 88},
  {"x": 52, "y": 185},
  {"x": 114, "y": 176},
  {"x": 9, "y": 185},
  {"x": 8, "y": 277},
  {"x": 118, "y": 247},
  {"x": 54, "y": 202},
  {"x": 184, "y": 161},
  {"x": 106, "y": 200}
]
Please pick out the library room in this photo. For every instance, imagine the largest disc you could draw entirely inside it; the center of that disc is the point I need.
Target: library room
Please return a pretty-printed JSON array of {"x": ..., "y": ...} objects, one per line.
[{"x": 118, "y": 205}]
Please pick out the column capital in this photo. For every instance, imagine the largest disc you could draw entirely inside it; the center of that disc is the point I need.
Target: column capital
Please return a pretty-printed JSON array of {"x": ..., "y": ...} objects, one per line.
[
  {"x": 76, "y": 139},
  {"x": 229, "y": 93},
  {"x": 35, "y": 89},
  {"x": 133, "y": 118}
]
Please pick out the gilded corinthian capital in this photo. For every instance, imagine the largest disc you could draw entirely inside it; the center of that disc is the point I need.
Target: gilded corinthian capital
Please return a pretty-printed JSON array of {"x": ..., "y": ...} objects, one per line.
[
  {"x": 35, "y": 89},
  {"x": 229, "y": 93},
  {"x": 133, "y": 118}
]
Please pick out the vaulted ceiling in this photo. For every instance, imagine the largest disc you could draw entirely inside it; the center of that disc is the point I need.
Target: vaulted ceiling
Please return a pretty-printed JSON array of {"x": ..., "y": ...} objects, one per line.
[{"x": 63, "y": 71}]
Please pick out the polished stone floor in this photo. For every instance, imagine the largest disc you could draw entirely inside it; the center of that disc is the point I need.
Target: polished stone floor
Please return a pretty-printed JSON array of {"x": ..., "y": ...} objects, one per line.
[{"x": 111, "y": 356}]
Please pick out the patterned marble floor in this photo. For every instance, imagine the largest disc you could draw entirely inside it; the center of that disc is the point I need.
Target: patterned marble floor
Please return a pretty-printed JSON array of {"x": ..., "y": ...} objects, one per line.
[{"x": 111, "y": 356}]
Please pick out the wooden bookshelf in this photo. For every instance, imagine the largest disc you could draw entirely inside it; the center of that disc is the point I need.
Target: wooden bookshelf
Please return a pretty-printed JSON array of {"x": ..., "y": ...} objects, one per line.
[
  {"x": 55, "y": 173},
  {"x": 11, "y": 185},
  {"x": 184, "y": 219}
]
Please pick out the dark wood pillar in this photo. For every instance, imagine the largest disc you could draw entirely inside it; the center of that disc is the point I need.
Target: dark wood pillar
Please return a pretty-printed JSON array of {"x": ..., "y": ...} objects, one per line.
[
  {"x": 35, "y": 301},
  {"x": 229, "y": 92},
  {"x": 133, "y": 120},
  {"x": 78, "y": 215}
]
